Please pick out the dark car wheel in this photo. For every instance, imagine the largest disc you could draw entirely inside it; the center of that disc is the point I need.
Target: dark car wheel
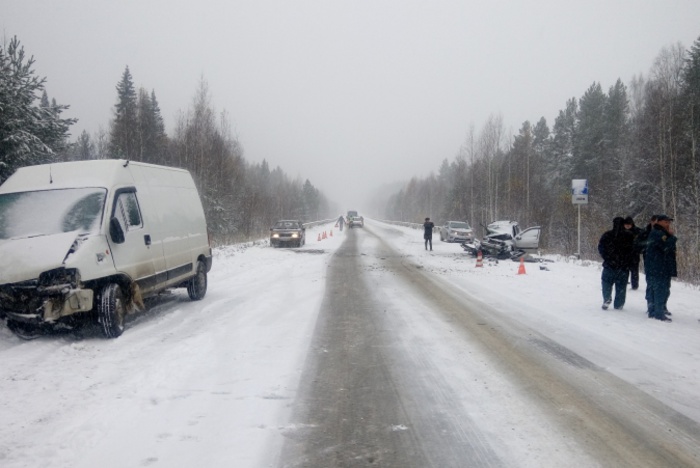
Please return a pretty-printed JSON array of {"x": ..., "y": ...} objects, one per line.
[
  {"x": 24, "y": 331},
  {"x": 111, "y": 310},
  {"x": 197, "y": 285}
]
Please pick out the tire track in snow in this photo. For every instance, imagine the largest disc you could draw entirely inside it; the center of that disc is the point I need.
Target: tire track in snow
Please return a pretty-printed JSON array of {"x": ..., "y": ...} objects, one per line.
[{"x": 355, "y": 407}]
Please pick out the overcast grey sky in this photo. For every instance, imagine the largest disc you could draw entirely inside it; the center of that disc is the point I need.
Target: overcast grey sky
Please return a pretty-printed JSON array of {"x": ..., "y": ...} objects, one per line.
[{"x": 350, "y": 94}]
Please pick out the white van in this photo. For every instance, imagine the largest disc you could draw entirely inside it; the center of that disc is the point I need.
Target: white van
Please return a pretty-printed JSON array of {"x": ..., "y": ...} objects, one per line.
[{"x": 89, "y": 240}]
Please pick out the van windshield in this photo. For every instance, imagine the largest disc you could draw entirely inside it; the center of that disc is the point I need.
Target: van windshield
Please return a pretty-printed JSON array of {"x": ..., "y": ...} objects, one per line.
[{"x": 46, "y": 212}]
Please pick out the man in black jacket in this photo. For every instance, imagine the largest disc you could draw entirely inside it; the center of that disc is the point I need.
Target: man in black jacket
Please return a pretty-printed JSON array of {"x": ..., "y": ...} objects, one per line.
[
  {"x": 634, "y": 266},
  {"x": 617, "y": 248},
  {"x": 660, "y": 267},
  {"x": 640, "y": 244},
  {"x": 428, "y": 233}
]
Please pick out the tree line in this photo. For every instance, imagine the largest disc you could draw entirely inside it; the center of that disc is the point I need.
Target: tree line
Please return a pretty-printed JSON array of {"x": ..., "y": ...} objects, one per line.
[
  {"x": 241, "y": 199},
  {"x": 636, "y": 144}
]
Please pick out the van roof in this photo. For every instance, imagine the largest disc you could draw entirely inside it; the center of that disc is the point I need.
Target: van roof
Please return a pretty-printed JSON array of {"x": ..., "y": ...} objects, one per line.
[{"x": 93, "y": 173}]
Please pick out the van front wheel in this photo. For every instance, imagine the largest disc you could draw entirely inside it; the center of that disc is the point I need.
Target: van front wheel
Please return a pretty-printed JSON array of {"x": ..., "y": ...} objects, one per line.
[
  {"x": 111, "y": 310},
  {"x": 197, "y": 285}
]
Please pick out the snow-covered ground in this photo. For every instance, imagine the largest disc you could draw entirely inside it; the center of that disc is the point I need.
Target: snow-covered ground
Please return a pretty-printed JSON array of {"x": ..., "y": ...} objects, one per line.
[{"x": 212, "y": 383}]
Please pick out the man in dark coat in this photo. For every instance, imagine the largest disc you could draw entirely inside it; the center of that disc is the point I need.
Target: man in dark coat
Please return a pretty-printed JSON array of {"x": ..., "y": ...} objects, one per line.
[
  {"x": 640, "y": 244},
  {"x": 617, "y": 248},
  {"x": 428, "y": 233},
  {"x": 634, "y": 266},
  {"x": 660, "y": 267}
]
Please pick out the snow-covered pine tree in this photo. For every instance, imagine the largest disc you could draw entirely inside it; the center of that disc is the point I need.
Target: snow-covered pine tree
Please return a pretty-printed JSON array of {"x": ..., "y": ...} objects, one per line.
[
  {"x": 84, "y": 148},
  {"x": 160, "y": 138},
  {"x": 124, "y": 127},
  {"x": 146, "y": 128},
  {"x": 31, "y": 132}
]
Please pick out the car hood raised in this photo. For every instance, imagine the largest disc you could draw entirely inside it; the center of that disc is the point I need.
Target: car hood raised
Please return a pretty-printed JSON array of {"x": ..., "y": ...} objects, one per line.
[{"x": 24, "y": 259}]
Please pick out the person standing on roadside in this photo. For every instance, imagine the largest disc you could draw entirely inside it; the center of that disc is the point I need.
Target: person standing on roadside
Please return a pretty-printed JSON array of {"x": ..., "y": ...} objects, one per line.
[
  {"x": 428, "y": 233},
  {"x": 634, "y": 266},
  {"x": 643, "y": 236},
  {"x": 641, "y": 245},
  {"x": 660, "y": 266},
  {"x": 341, "y": 222},
  {"x": 616, "y": 246}
]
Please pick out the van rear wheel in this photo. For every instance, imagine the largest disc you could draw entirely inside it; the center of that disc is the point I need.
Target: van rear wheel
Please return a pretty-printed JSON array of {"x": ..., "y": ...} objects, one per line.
[
  {"x": 111, "y": 310},
  {"x": 197, "y": 285}
]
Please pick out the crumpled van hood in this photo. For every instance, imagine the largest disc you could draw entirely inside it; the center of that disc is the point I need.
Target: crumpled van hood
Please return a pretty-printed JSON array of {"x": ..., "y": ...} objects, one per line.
[{"x": 25, "y": 259}]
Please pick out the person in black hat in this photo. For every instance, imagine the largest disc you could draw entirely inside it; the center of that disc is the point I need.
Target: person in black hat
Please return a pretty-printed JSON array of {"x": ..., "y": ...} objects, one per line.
[
  {"x": 660, "y": 266},
  {"x": 634, "y": 266},
  {"x": 643, "y": 237},
  {"x": 428, "y": 233},
  {"x": 616, "y": 246}
]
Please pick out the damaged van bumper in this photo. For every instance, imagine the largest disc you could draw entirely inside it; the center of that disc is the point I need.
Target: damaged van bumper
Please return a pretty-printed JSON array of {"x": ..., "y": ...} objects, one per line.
[{"x": 54, "y": 295}]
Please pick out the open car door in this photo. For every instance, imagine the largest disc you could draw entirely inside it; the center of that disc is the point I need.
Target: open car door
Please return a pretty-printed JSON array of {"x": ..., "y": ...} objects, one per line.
[{"x": 528, "y": 240}]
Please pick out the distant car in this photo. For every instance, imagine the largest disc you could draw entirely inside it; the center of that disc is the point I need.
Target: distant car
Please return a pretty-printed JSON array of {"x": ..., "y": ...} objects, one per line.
[
  {"x": 288, "y": 232},
  {"x": 456, "y": 231},
  {"x": 354, "y": 219}
]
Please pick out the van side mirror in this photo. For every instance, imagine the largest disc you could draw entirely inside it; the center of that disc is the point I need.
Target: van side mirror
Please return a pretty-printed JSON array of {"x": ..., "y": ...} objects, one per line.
[{"x": 115, "y": 231}]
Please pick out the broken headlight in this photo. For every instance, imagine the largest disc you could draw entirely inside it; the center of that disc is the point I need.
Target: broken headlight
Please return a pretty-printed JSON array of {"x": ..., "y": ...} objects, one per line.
[{"x": 58, "y": 280}]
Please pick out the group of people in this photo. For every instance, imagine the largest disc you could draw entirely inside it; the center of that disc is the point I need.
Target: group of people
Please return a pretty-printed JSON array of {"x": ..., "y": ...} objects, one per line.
[{"x": 621, "y": 249}]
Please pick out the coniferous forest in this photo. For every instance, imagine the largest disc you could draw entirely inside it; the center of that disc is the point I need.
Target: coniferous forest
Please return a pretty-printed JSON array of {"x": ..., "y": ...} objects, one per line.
[{"x": 636, "y": 143}]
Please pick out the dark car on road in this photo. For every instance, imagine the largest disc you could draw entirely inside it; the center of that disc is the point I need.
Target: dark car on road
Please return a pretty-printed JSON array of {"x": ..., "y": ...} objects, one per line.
[
  {"x": 354, "y": 219},
  {"x": 287, "y": 232}
]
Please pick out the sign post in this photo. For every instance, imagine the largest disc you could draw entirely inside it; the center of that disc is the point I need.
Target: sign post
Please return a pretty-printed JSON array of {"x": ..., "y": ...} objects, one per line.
[{"x": 579, "y": 196}]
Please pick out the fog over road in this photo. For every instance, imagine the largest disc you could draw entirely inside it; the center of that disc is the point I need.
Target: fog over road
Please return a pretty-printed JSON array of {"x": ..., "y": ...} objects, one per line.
[{"x": 380, "y": 389}]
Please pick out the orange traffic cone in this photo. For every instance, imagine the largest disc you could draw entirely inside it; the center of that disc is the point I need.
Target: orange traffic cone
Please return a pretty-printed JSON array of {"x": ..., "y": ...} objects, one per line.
[
  {"x": 479, "y": 259},
  {"x": 331, "y": 233},
  {"x": 521, "y": 268},
  {"x": 319, "y": 237},
  {"x": 324, "y": 235}
]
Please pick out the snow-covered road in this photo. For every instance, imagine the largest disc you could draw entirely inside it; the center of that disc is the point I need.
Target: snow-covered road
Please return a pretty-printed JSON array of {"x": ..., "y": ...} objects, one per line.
[
  {"x": 219, "y": 382},
  {"x": 188, "y": 384}
]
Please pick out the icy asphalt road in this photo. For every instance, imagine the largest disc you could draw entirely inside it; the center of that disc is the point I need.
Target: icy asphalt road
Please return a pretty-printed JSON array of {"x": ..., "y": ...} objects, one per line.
[
  {"x": 345, "y": 353},
  {"x": 377, "y": 388}
]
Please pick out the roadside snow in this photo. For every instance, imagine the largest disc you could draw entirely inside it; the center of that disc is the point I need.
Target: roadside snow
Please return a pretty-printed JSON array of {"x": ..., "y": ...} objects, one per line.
[{"x": 561, "y": 298}]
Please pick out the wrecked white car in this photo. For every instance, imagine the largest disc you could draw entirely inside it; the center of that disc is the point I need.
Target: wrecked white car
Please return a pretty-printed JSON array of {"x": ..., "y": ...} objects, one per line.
[{"x": 505, "y": 239}]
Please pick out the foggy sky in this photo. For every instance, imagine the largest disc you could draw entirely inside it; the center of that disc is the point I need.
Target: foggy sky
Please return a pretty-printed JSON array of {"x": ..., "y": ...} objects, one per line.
[{"x": 348, "y": 94}]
